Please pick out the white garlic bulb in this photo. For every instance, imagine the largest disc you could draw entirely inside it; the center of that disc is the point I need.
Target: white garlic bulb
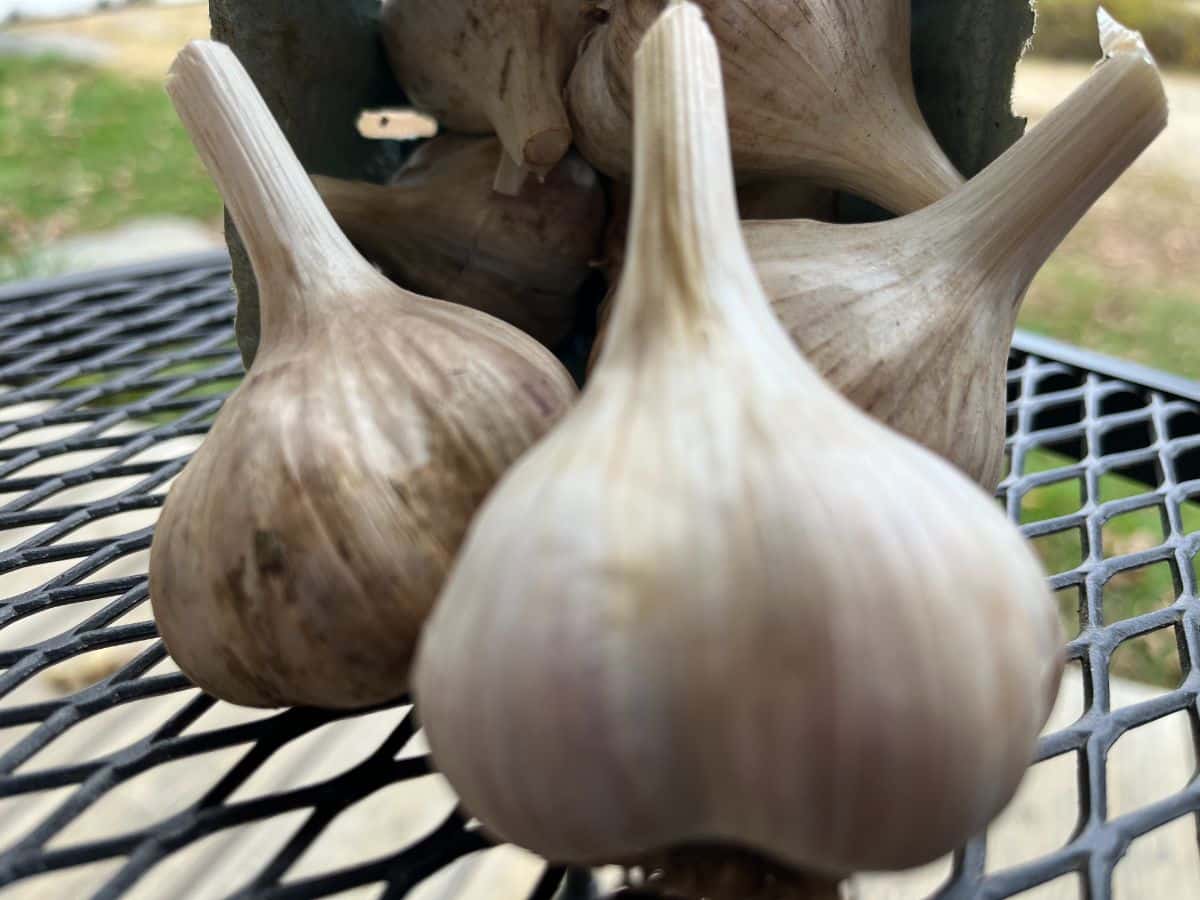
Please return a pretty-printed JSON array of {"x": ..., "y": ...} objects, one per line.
[{"x": 718, "y": 604}]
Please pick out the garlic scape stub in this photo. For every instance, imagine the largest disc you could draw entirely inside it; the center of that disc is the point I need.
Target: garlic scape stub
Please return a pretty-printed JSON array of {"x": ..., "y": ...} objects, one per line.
[
  {"x": 440, "y": 229},
  {"x": 818, "y": 89},
  {"x": 301, "y": 548},
  {"x": 661, "y": 632},
  {"x": 913, "y": 319},
  {"x": 490, "y": 67}
]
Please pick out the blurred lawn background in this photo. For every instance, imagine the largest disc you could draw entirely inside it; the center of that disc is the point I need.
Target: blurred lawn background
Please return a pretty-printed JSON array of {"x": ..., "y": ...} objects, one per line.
[{"x": 86, "y": 148}]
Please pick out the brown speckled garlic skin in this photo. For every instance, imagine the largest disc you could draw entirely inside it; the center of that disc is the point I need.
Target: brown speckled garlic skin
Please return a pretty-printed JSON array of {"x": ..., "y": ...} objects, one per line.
[
  {"x": 819, "y": 89},
  {"x": 440, "y": 229},
  {"x": 490, "y": 66},
  {"x": 892, "y": 324},
  {"x": 300, "y": 550}
]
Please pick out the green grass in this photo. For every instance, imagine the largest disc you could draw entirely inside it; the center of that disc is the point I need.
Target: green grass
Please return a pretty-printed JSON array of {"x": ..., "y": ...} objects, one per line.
[
  {"x": 1067, "y": 29},
  {"x": 208, "y": 388},
  {"x": 1153, "y": 658},
  {"x": 84, "y": 150},
  {"x": 1153, "y": 325}
]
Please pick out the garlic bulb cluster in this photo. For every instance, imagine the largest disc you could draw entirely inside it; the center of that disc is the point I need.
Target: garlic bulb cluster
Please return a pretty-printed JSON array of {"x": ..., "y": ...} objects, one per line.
[
  {"x": 300, "y": 550},
  {"x": 440, "y": 229},
  {"x": 913, "y": 318},
  {"x": 698, "y": 611},
  {"x": 490, "y": 66},
  {"x": 819, "y": 89}
]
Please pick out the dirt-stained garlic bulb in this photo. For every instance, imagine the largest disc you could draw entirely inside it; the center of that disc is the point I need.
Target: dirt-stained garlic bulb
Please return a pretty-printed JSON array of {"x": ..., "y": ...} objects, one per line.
[
  {"x": 818, "y": 89},
  {"x": 491, "y": 67},
  {"x": 913, "y": 318},
  {"x": 440, "y": 229},
  {"x": 718, "y": 604},
  {"x": 300, "y": 550}
]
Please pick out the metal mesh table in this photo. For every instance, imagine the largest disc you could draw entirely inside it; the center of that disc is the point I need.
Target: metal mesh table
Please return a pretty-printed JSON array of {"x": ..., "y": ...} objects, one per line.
[{"x": 107, "y": 384}]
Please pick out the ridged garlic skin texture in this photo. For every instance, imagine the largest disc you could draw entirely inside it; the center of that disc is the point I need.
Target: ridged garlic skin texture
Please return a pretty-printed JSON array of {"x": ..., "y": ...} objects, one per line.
[
  {"x": 699, "y": 610},
  {"x": 819, "y": 89},
  {"x": 733, "y": 640},
  {"x": 490, "y": 67},
  {"x": 301, "y": 548},
  {"x": 913, "y": 319}
]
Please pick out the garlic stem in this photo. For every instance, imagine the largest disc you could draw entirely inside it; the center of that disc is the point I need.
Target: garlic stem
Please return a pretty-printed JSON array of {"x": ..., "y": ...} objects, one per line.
[
  {"x": 1025, "y": 204},
  {"x": 531, "y": 120},
  {"x": 287, "y": 230},
  {"x": 510, "y": 176},
  {"x": 678, "y": 206}
]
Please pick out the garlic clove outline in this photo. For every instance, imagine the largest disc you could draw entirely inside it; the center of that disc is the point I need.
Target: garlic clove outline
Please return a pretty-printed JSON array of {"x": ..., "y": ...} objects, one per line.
[
  {"x": 491, "y": 67},
  {"x": 700, "y": 654},
  {"x": 438, "y": 228},
  {"x": 913, "y": 318},
  {"x": 301, "y": 548},
  {"x": 819, "y": 89}
]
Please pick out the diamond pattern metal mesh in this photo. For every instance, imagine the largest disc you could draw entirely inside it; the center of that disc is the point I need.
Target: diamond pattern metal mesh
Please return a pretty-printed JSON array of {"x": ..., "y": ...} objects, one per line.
[{"x": 118, "y": 778}]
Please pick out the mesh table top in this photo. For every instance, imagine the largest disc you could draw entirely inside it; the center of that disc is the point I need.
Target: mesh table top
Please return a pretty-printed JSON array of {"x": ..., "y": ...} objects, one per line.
[{"x": 119, "y": 778}]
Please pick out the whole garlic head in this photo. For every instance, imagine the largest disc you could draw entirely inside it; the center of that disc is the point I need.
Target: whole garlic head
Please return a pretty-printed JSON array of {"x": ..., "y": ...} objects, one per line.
[
  {"x": 819, "y": 89},
  {"x": 300, "y": 550},
  {"x": 913, "y": 319},
  {"x": 718, "y": 604}
]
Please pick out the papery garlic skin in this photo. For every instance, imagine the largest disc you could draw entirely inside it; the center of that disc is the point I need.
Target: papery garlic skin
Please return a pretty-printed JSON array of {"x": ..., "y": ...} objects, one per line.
[
  {"x": 490, "y": 66},
  {"x": 819, "y": 89},
  {"x": 438, "y": 228},
  {"x": 913, "y": 319},
  {"x": 717, "y": 604},
  {"x": 301, "y": 548}
]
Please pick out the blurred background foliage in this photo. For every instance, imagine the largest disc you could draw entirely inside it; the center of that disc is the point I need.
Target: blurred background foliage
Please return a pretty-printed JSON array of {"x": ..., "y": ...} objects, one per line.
[{"x": 1171, "y": 28}]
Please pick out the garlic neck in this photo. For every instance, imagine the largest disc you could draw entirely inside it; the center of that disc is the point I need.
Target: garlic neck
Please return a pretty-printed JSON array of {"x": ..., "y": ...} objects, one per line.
[
  {"x": 1021, "y": 207},
  {"x": 688, "y": 265},
  {"x": 295, "y": 246}
]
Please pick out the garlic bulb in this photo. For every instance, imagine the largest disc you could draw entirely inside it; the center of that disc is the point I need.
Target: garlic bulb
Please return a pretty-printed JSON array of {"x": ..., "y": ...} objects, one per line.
[
  {"x": 299, "y": 551},
  {"x": 490, "y": 67},
  {"x": 440, "y": 229},
  {"x": 717, "y": 603},
  {"x": 819, "y": 89},
  {"x": 913, "y": 318}
]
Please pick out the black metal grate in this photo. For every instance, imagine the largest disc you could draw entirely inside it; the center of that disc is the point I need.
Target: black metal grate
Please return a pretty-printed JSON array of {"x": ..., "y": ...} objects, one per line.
[{"x": 107, "y": 383}]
